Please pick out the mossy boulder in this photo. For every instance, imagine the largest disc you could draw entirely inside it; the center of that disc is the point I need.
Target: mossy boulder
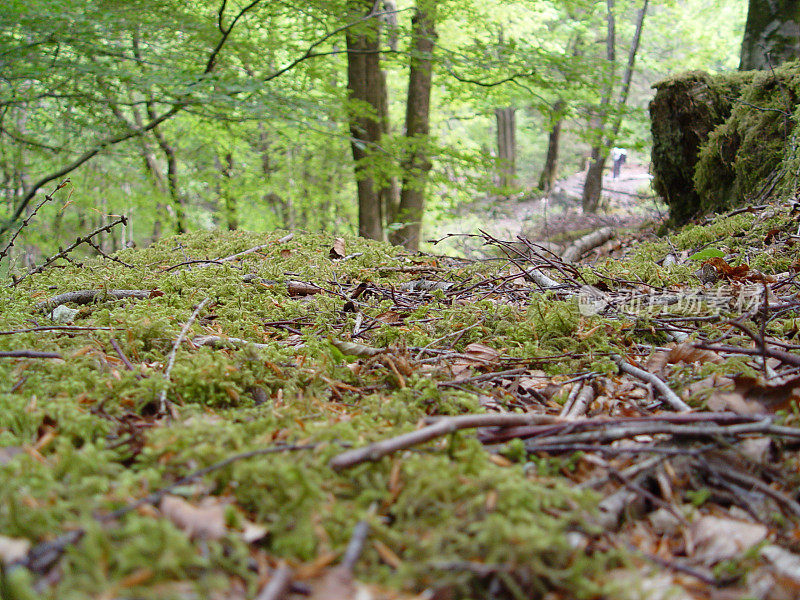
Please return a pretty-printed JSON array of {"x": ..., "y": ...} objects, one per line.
[
  {"x": 686, "y": 109},
  {"x": 722, "y": 141},
  {"x": 742, "y": 160}
]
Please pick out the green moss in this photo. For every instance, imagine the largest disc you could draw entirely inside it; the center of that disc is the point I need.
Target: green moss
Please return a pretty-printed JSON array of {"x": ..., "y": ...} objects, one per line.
[
  {"x": 99, "y": 445},
  {"x": 750, "y": 146}
]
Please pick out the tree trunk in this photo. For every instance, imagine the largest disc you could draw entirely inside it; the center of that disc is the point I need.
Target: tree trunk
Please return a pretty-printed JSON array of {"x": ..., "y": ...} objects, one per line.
[
  {"x": 390, "y": 190},
  {"x": 364, "y": 87},
  {"x": 228, "y": 200},
  {"x": 550, "y": 169},
  {"x": 506, "y": 146},
  {"x": 771, "y": 34},
  {"x": 417, "y": 163},
  {"x": 593, "y": 185}
]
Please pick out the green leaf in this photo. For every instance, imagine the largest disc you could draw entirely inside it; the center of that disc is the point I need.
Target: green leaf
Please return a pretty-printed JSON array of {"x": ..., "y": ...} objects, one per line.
[{"x": 707, "y": 253}]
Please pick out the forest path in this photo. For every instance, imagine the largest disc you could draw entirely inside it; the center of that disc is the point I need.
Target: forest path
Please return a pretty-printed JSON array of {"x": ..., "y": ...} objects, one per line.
[{"x": 627, "y": 202}]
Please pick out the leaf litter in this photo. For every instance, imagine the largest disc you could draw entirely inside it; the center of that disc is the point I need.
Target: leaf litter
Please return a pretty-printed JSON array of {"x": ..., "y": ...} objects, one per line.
[{"x": 473, "y": 428}]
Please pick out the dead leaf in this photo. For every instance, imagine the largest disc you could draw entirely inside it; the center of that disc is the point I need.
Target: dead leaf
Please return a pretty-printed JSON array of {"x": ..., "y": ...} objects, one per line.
[
  {"x": 754, "y": 395},
  {"x": 354, "y": 349},
  {"x": 338, "y": 250},
  {"x": 198, "y": 522},
  {"x": 681, "y": 353},
  {"x": 391, "y": 317},
  {"x": 481, "y": 352},
  {"x": 717, "y": 539},
  {"x": 301, "y": 288},
  {"x": 252, "y": 532},
  {"x": 337, "y": 584}
]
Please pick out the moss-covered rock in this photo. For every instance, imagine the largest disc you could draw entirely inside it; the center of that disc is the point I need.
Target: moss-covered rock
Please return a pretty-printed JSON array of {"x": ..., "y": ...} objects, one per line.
[
  {"x": 683, "y": 113},
  {"x": 741, "y": 161},
  {"x": 722, "y": 141}
]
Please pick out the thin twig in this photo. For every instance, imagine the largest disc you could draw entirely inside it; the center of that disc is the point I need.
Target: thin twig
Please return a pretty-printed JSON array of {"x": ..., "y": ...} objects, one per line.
[
  {"x": 63, "y": 253},
  {"x": 57, "y": 328},
  {"x": 279, "y": 583},
  {"x": 442, "y": 427},
  {"x": 162, "y": 398},
  {"x": 47, "y": 198}
]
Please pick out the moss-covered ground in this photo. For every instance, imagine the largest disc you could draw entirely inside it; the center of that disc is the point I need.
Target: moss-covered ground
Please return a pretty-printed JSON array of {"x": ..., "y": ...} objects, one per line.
[{"x": 131, "y": 406}]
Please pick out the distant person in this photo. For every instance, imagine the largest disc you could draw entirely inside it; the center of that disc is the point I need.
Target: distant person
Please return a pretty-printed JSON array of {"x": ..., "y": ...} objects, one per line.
[{"x": 618, "y": 157}]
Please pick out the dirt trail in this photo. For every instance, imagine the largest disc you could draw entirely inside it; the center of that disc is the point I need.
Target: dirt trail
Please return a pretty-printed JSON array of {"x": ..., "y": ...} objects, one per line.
[{"x": 627, "y": 201}]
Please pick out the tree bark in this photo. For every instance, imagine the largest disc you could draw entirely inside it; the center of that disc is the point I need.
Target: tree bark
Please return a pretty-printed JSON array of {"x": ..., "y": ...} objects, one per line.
[
  {"x": 364, "y": 87},
  {"x": 506, "y": 146},
  {"x": 771, "y": 34},
  {"x": 417, "y": 163},
  {"x": 550, "y": 169}
]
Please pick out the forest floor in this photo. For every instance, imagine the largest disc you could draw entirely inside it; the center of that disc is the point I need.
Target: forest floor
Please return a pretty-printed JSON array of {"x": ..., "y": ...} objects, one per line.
[
  {"x": 288, "y": 415},
  {"x": 627, "y": 201}
]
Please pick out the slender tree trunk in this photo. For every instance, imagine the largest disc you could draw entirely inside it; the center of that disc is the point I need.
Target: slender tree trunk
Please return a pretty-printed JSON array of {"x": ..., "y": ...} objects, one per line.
[
  {"x": 226, "y": 198},
  {"x": 173, "y": 183},
  {"x": 593, "y": 186},
  {"x": 506, "y": 119},
  {"x": 771, "y": 34},
  {"x": 152, "y": 167},
  {"x": 364, "y": 87},
  {"x": 390, "y": 190},
  {"x": 417, "y": 163},
  {"x": 550, "y": 169}
]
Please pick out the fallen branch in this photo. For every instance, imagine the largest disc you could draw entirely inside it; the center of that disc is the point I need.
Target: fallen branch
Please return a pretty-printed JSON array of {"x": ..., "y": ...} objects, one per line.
[
  {"x": 88, "y": 296},
  {"x": 781, "y": 355},
  {"x": 441, "y": 427},
  {"x": 670, "y": 396},
  {"x": 279, "y": 583},
  {"x": 558, "y": 429},
  {"x": 580, "y": 397},
  {"x": 216, "y": 341},
  {"x": 28, "y": 354},
  {"x": 583, "y": 244}
]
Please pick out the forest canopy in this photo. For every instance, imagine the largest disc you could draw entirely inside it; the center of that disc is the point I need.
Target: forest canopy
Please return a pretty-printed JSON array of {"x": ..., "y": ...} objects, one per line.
[{"x": 207, "y": 114}]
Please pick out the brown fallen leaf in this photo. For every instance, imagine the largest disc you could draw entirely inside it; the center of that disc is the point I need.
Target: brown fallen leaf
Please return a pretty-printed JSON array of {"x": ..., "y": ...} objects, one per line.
[
  {"x": 481, "y": 352},
  {"x": 717, "y": 539},
  {"x": 474, "y": 355},
  {"x": 198, "y": 522},
  {"x": 338, "y": 250},
  {"x": 754, "y": 395},
  {"x": 301, "y": 288},
  {"x": 680, "y": 353}
]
